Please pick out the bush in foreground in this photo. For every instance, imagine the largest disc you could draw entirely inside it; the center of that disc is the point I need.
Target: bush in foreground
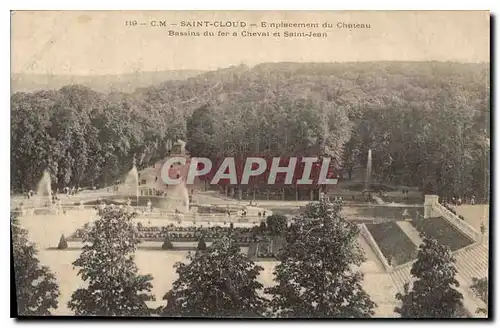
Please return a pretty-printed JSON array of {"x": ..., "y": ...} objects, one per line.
[
  {"x": 36, "y": 287},
  {"x": 113, "y": 284},
  {"x": 315, "y": 277},
  {"x": 434, "y": 292},
  {"x": 220, "y": 282}
]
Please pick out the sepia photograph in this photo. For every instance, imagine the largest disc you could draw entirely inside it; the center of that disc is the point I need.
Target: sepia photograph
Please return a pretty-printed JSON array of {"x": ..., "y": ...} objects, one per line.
[{"x": 250, "y": 164}]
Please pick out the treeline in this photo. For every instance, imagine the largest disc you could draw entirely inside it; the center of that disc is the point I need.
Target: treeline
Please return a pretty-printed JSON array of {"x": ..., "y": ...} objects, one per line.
[{"x": 426, "y": 123}]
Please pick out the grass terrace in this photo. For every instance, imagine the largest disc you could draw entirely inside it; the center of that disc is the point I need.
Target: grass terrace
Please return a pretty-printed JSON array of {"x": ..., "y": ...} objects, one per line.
[
  {"x": 444, "y": 232},
  {"x": 393, "y": 242}
]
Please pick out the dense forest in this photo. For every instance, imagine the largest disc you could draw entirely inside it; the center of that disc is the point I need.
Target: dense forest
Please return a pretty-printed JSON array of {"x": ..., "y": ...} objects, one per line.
[{"x": 426, "y": 123}]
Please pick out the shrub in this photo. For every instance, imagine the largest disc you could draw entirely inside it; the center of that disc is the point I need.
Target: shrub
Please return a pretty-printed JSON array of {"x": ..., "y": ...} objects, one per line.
[
  {"x": 276, "y": 224},
  {"x": 201, "y": 244},
  {"x": 62, "y": 243},
  {"x": 167, "y": 244}
]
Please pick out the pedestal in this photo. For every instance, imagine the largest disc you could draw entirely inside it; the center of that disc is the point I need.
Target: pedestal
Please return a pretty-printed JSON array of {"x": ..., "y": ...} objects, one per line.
[{"x": 430, "y": 201}]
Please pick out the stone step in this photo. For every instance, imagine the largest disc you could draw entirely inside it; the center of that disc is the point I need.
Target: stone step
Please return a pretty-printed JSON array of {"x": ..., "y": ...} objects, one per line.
[
  {"x": 400, "y": 277},
  {"x": 472, "y": 262}
]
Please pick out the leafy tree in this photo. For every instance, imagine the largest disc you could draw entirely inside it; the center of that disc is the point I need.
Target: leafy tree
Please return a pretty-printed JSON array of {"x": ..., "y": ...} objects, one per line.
[
  {"x": 201, "y": 132},
  {"x": 107, "y": 266},
  {"x": 314, "y": 276},
  {"x": 276, "y": 224},
  {"x": 434, "y": 293},
  {"x": 220, "y": 282},
  {"x": 63, "y": 244},
  {"x": 36, "y": 287},
  {"x": 339, "y": 110},
  {"x": 201, "y": 244},
  {"x": 480, "y": 287}
]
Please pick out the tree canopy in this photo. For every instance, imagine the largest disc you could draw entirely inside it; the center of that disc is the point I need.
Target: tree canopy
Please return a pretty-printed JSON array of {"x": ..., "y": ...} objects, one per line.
[
  {"x": 276, "y": 224},
  {"x": 218, "y": 282},
  {"x": 434, "y": 293},
  {"x": 427, "y": 123},
  {"x": 114, "y": 286},
  {"x": 37, "y": 290},
  {"x": 316, "y": 275}
]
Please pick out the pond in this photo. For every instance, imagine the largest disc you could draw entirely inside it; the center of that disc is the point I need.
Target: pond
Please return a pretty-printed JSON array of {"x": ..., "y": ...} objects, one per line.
[{"x": 387, "y": 212}]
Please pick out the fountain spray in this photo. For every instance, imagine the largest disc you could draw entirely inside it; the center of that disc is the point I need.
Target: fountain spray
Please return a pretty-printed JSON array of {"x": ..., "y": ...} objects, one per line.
[{"x": 368, "y": 171}]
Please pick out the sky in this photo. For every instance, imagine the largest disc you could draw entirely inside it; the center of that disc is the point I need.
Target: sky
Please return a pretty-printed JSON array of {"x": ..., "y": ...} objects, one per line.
[{"x": 99, "y": 43}]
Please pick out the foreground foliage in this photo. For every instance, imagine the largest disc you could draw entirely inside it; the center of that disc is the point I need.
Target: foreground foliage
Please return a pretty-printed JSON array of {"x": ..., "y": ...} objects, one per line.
[
  {"x": 36, "y": 287},
  {"x": 480, "y": 287},
  {"x": 114, "y": 286},
  {"x": 217, "y": 282},
  {"x": 316, "y": 276},
  {"x": 434, "y": 293}
]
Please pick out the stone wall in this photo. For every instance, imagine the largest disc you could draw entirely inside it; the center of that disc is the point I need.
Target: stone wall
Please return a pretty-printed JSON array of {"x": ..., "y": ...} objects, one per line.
[
  {"x": 373, "y": 244},
  {"x": 432, "y": 208}
]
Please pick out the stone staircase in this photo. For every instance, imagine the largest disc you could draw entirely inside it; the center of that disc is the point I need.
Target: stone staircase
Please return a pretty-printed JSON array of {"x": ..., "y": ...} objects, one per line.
[
  {"x": 472, "y": 262},
  {"x": 401, "y": 275}
]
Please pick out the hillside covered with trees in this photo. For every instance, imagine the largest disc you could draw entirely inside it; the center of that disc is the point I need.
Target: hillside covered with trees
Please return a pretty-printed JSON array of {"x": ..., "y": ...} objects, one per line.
[{"x": 426, "y": 123}]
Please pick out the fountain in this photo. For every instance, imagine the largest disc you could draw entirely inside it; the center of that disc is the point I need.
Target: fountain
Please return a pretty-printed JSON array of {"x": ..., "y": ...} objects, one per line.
[
  {"x": 131, "y": 184},
  {"x": 43, "y": 190},
  {"x": 368, "y": 171},
  {"x": 178, "y": 198}
]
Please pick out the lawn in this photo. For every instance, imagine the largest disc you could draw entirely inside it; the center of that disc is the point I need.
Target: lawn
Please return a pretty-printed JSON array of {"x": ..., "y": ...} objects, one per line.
[
  {"x": 445, "y": 233},
  {"x": 393, "y": 242}
]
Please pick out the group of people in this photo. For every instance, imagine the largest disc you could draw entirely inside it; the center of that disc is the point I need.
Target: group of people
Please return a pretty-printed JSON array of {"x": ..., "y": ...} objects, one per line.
[
  {"x": 29, "y": 194},
  {"x": 70, "y": 191},
  {"x": 115, "y": 188},
  {"x": 153, "y": 192},
  {"x": 457, "y": 200},
  {"x": 55, "y": 196}
]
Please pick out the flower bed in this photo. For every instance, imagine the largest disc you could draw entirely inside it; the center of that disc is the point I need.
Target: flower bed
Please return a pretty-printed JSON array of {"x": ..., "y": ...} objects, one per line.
[
  {"x": 243, "y": 236},
  {"x": 266, "y": 249}
]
